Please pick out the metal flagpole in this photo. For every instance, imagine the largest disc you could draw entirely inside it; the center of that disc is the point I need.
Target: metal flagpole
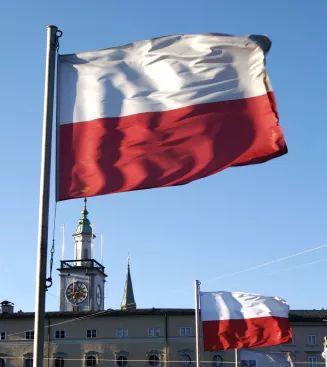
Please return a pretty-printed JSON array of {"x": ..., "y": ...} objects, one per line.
[
  {"x": 197, "y": 342},
  {"x": 41, "y": 265}
]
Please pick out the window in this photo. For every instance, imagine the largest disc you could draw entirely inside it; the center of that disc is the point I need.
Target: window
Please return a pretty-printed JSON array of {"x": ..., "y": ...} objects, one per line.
[
  {"x": 312, "y": 361},
  {"x": 154, "y": 360},
  {"x": 2, "y": 362},
  {"x": 185, "y": 331},
  {"x": 312, "y": 339},
  {"x": 186, "y": 360},
  {"x": 2, "y": 336},
  {"x": 248, "y": 363},
  {"x": 60, "y": 334},
  {"x": 28, "y": 362},
  {"x": 91, "y": 333},
  {"x": 90, "y": 361},
  {"x": 153, "y": 331},
  {"x": 29, "y": 335},
  {"x": 121, "y": 361},
  {"x": 122, "y": 332},
  {"x": 292, "y": 341},
  {"x": 59, "y": 362},
  {"x": 217, "y": 360}
]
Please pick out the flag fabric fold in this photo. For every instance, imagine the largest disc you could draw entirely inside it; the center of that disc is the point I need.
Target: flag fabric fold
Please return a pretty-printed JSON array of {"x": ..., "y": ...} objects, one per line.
[
  {"x": 163, "y": 112},
  {"x": 242, "y": 320}
]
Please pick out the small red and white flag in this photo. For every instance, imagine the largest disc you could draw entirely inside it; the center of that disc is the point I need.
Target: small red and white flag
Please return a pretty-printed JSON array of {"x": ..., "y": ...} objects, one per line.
[
  {"x": 242, "y": 320},
  {"x": 163, "y": 112},
  {"x": 324, "y": 353},
  {"x": 251, "y": 358}
]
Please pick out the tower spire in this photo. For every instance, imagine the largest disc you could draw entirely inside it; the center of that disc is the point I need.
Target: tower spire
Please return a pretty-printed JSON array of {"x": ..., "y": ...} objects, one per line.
[
  {"x": 84, "y": 225},
  {"x": 128, "y": 301},
  {"x": 83, "y": 237}
]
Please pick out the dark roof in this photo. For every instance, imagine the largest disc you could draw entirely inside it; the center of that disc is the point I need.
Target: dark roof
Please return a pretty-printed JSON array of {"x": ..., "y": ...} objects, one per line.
[
  {"x": 6, "y": 303},
  {"x": 294, "y": 316},
  {"x": 308, "y": 315},
  {"x": 109, "y": 312}
]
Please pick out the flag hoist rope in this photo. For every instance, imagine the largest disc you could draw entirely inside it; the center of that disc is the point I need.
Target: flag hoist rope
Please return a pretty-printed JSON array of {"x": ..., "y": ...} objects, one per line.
[
  {"x": 53, "y": 35},
  {"x": 49, "y": 279}
]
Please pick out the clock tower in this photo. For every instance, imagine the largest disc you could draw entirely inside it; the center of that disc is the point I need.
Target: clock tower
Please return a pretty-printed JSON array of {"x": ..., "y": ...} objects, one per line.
[{"x": 82, "y": 279}]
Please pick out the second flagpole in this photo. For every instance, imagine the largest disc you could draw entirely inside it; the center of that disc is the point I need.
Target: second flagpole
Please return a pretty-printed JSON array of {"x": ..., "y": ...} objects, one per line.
[
  {"x": 197, "y": 314},
  {"x": 236, "y": 357}
]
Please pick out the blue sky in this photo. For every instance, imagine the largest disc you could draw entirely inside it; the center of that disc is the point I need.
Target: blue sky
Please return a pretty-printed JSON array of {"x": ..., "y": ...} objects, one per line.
[{"x": 211, "y": 229}]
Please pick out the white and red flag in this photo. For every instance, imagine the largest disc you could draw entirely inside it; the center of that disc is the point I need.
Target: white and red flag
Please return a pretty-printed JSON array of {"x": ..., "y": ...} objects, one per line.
[
  {"x": 163, "y": 112},
  {"x": 242, "y": 320}
]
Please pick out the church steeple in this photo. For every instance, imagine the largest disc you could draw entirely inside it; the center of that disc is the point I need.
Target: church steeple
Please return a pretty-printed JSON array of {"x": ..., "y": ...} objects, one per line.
[
  {"x": 82, "y": 279},
  {"x": 128, "y": 301}
]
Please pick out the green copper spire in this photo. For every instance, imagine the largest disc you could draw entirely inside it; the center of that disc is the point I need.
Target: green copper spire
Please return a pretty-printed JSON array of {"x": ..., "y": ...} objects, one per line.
[
  {"x": 128, "y": 301},
  {"x": 84, "y": 225}
]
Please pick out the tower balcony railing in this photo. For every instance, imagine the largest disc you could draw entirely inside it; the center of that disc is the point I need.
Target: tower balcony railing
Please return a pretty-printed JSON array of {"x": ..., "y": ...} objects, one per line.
[{"x": 82, "y": 263}]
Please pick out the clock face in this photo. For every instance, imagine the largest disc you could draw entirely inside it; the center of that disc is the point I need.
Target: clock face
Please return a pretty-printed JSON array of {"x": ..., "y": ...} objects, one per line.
[
  {"x": 98, "y": 295},
  {"x": 76, "y": 292}
]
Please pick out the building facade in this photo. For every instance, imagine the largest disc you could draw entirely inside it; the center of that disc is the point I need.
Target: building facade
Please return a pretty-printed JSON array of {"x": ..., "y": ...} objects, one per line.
[
  {"x": 138, "y": 338},
  {"x": 84, "y": 334}
]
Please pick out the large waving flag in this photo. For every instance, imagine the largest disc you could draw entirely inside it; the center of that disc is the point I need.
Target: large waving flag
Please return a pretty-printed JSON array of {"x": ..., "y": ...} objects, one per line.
[
  {"x": 163, "y": 112},
  {"x": 242, "y": 320}
]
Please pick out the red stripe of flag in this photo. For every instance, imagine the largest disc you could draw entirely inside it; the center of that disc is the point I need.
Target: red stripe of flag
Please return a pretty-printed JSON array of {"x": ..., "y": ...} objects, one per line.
[
  {"x": 245, "y": 333},
  {"x": 156, "y": 149}
]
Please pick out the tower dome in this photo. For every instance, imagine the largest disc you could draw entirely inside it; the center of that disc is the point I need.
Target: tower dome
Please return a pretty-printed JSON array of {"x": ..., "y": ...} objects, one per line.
[{"x": 84, "y": 225}]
